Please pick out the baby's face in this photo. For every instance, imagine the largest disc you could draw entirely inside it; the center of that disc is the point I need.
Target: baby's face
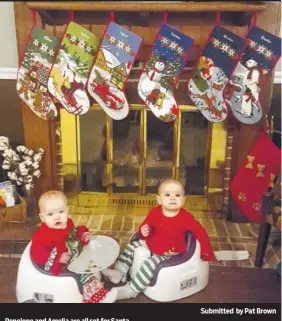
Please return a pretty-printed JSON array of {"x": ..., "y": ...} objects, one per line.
[
  {"x": 171, "y": 196},
  {"x": 54, "y": 213}
]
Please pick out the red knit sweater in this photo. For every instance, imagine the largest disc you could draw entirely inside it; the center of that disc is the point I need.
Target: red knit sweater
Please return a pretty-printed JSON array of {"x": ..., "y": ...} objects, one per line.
[
  {"x": 45, "y": 239},
  {"x": 167, "y": 234}
]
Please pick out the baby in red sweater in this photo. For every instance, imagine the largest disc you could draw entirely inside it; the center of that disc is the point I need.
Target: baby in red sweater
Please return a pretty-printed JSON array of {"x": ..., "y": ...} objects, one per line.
[
  {"x": 163, "y": 234},
  {"x": 58, "y": 241}
]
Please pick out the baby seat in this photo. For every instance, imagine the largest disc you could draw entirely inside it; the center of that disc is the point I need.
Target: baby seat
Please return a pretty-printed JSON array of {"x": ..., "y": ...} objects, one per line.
[
  {"x": 180, "y": 276},
  {"x": 34, "y": 284}
]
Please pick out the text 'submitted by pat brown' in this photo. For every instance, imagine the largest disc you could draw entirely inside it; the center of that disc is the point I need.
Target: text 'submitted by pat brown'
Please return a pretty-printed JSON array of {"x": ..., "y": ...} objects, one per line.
[
  {"x": 238, "y": 311},
  {"x": 65, "y": 319}
]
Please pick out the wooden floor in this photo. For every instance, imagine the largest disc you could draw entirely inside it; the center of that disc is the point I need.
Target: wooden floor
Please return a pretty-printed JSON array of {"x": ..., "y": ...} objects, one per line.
[{"x": 226, "y": 285}]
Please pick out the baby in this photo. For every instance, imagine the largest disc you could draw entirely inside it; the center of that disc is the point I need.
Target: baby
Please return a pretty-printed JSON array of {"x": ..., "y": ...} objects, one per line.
[
  {"x": 163, "y": 234},
  {"x": 58, "y": 241}
]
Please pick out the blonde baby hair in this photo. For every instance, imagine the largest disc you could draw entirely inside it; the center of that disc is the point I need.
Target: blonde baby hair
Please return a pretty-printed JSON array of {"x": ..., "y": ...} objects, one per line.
[
  {"x": 51, "y": 195},
  {"x": 169, "y": 180}
]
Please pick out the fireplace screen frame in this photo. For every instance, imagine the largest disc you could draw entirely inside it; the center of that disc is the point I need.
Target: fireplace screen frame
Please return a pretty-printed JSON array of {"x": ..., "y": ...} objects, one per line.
[{"x": 70, "y": 171}]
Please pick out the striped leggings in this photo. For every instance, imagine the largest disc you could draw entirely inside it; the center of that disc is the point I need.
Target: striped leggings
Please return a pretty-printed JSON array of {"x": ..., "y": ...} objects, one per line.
[{"x": 143, "y": 277}]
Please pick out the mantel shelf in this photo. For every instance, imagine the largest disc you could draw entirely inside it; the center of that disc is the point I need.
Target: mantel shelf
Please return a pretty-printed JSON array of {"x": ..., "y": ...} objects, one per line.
[{"x": 135, "y": 6}]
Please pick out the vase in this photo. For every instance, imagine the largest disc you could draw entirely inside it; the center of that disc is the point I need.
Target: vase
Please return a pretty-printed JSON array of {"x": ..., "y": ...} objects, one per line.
[{"x": 31, "y": 208}]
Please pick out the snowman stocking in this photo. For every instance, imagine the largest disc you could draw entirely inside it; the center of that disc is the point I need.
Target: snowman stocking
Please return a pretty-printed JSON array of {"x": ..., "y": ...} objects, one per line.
[
  {"x": 259, "y": 58},
  {"x": 111, "y": 69},
  {"x": 162, "y": 71},
  {"x": 70, "y": 71},
  {"x": 33, "y": 73},
  {"x": 213, "y": 68}
]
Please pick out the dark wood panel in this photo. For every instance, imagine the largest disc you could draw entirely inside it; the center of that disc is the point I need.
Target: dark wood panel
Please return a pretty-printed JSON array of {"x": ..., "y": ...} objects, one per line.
[
  {"x": 38, "y": 134},
  {"x": 10, "y": 110}
]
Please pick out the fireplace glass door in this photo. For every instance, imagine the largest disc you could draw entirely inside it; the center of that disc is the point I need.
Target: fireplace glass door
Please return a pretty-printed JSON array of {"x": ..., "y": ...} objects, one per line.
[
  {"x": 131, "y": 156},
  {"x": 93, "y": 151},
  {"x": 159, "y": 152},
  {"x": 126, "y": 154}
]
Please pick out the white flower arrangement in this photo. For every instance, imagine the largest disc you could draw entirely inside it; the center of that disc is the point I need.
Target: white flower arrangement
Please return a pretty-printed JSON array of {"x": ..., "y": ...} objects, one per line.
[
  {"x": 22, "y": 165},
  {"x": 4, "y": 143}
]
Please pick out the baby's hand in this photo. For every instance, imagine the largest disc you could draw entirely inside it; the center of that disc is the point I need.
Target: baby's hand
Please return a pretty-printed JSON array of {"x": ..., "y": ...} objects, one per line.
[
  {"x": 86, "y": 237},
  {"x": 145, "y": 230},
  {"x": 64, "y": 259},
  {"x": 207, "y": 257}
]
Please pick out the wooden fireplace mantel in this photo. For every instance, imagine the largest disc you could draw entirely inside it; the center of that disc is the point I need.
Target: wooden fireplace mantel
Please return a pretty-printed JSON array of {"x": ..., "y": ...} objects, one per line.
[
  {"x": 40, "y": 133},
  {"x": 157, "y": 6}
]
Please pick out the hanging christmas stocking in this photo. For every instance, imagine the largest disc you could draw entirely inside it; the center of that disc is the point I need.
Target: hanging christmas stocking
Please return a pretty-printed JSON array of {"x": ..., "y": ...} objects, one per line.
[
  {"x": 34, "y": 71},
  {"x": 213, "y": 68},
  {"x": 71, "y": 68},
  {"x": 259, "y": 58},
  {"x": 255, "y": 175},
  {"x": 111, "y": 69},
  {"x": 162, "y": 71}
]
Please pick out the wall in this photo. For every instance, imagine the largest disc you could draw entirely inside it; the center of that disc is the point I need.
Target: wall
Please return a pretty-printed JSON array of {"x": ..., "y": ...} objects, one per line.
[
  {"x": 8, "y": 52},
  {"x": 10, "y": 107}
]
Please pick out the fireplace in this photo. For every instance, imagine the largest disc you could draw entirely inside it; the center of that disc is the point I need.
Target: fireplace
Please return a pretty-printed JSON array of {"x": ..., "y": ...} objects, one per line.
[
  {"x": 66, "y": 166},
  {"x": 125, "y": 160}
]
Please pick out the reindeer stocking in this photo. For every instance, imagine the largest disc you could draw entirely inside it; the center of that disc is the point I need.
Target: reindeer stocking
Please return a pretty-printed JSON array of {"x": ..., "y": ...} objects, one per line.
[
  {"x": 162, "y": 71},
  {"x": 111, "y": 69},
  {"x": 213, "y": 68},
  {"x": 259, "y": 58},
  {"x": 33, "y": 73},
  {"x": 70, "y": 71}
]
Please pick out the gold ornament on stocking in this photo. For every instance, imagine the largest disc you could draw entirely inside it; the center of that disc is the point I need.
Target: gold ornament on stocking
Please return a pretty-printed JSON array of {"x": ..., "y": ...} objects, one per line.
[
  {"x": 260, "y": 172},
  {"x": 250, "y": 161}
]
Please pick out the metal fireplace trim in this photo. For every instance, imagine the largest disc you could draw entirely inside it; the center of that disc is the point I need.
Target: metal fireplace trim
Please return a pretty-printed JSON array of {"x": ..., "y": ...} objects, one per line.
[{"x": 68, "y": 129}]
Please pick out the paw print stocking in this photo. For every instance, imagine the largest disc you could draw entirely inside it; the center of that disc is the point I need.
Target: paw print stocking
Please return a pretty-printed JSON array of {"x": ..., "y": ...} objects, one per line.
[
  {"x": 162, "y": 71},
  {"x": 67, "y": 80},
  {"x": 253, "y": 178},
  {"x": 111, "y": 70},
  {"x": 34, "y": 71},
  {"x": 258, "y": 60},
  {"x": 213, "y": 68}
]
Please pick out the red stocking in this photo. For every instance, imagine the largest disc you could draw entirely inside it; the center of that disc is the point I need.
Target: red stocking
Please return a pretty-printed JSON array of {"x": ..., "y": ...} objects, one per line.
[{"x": 262, "y": 163}]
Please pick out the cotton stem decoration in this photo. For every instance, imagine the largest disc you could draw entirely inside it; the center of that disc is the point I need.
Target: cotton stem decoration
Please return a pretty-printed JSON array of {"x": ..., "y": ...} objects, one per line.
[
  {"x": 4, "y": 143},
  {"x": 22, "y": 166}
]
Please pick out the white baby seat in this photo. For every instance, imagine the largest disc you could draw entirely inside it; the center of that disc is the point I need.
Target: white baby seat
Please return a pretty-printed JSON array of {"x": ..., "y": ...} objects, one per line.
[
  {"x": 35, "y": 284},
  {"x": 180, "y": 276}
]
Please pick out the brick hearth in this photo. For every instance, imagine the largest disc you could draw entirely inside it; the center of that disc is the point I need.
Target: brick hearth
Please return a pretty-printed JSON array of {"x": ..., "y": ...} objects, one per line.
[{"x": 120, "y": 223}]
